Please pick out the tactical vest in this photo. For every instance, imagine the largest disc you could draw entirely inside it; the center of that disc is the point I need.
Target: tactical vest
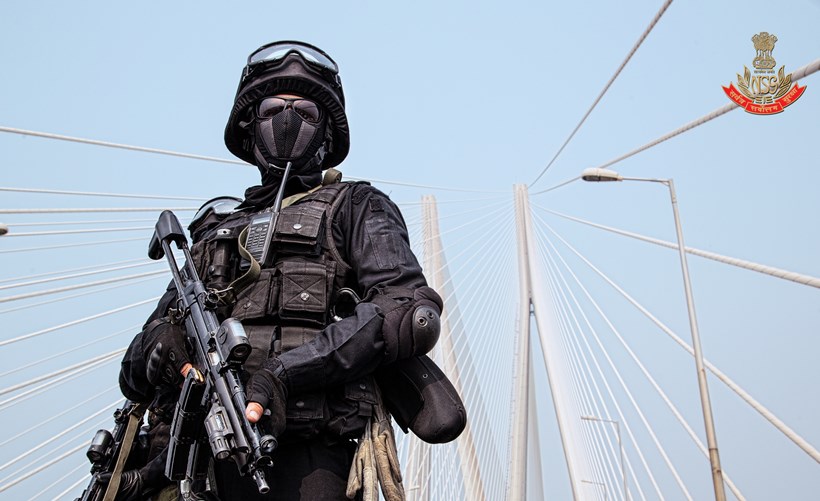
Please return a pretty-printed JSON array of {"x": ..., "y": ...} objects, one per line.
[{"x": 291, "y": 302}]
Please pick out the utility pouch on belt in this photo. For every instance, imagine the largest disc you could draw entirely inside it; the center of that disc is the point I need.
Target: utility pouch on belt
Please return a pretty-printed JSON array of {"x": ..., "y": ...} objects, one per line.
[{"x": 421, "y": 398}]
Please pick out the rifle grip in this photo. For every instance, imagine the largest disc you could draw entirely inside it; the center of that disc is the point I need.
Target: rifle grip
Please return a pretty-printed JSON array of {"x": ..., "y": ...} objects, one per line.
[{"x": 187, "y": 425}]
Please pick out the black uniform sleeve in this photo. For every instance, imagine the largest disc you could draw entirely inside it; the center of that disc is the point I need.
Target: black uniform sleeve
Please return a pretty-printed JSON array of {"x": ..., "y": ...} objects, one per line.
[
  {"x": 375, "y": 242},
  {"x": 372, "y": 238}
]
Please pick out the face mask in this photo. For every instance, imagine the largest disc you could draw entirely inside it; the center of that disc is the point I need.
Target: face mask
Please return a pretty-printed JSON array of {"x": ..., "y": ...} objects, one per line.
[{"x": 288, "y": 130}]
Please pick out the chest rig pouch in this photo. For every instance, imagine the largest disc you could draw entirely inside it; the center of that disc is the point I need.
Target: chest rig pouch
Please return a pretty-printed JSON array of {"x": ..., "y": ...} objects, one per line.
[
  {"x": 311, "y": 272},
  {"x": 307, "y": 274},
  {"x": 289, "y": 304}
]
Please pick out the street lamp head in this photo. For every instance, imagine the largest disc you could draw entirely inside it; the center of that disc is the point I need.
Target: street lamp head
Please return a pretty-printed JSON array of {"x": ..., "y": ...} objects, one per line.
[{"x": 597, "y": 175}]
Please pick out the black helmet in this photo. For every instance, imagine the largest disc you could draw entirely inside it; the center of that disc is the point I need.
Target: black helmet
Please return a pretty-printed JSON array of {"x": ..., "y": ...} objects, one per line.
[{"x": 289, "y": 67}]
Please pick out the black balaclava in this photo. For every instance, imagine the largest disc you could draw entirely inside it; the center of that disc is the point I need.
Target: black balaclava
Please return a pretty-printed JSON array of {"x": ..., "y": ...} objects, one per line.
[
  {"x": 281, "y": 138},
  {"x": 262, "y": 196},
  {"x": 287, "y": 137}
]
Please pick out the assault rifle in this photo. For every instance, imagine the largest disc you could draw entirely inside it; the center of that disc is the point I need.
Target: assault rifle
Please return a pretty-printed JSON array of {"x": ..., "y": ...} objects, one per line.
[
  {"x": 212, "y": 402},
  {"x": 106, "y": 449}
]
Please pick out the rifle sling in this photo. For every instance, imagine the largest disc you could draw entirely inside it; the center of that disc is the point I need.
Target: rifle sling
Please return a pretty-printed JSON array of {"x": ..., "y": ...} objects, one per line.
[
  {"x": 252, "y": 274},
  {"x": 134, "y": 420}
]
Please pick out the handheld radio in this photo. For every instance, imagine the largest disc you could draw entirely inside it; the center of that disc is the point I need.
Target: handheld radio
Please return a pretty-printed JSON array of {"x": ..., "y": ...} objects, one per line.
[{"x": 260, "y": 230}]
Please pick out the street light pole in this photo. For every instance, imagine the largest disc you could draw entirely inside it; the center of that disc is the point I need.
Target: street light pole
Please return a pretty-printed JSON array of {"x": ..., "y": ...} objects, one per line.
[
  {"x": 705, "y": 401},
  {"x": 603, "y": 175},
  {"x": 620, "y": 448}
]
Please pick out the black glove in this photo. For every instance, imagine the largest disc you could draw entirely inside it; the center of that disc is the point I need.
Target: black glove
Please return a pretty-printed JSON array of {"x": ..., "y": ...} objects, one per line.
[
  {"x": 266, "y": 388},
  {"x": 165, "y": 353},
  {"x": 130, "y": 485},
  {"x": 141, "y": 483}
]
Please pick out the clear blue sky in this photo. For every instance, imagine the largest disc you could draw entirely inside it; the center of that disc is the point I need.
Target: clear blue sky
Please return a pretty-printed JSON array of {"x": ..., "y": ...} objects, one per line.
[{"x": 476, "y": 95}]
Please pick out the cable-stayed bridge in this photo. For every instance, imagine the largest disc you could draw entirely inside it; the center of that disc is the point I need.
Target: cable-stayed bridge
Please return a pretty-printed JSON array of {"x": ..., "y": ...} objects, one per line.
[
  {"x": 566, "y": 332},
  {"x": 505, "y": 272}
]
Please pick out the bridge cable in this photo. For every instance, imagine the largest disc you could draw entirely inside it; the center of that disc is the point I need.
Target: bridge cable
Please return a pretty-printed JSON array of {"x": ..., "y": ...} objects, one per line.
[
  {"x": 646, "y": 423},
  {"x": 83, "y": 463},
  {"x": 71, "y": 428},
  {"x": 553, "y": 267},
  {"x": 79, "y": 365},
  {"x": 78, "y": 321},
  {"x": 762, "y": 410},
  {"x": 740, "y": 263},
  {"x": 97, "y": 194},
  {"x": 84, "y": 478},
  {"x": 98, "y": 221},
  {"x": 601, "y": 464},
  {"x": 49, "y": 385},
  {"x": 47, "y": 292},
  {"x": 49, "y": 464},
  {"x": 137, "y": 263},
  {"x": 132, "y": 329},
  {"x": 652, "y": 381},
  {"x": 65, "y": 246},
  {"x": 606, "y": 87},
  {"x": 75, "y": 270},
  {"x": 76, "y": 232},
  {"x": 94, "y": 142},
  {"x": 81, "y": 294},
  {"x": 796, "y": 75},
  {"x": 38, "y": 426},
  {"x": 78, "y": 210},
  {"x": 601, "y": 432}
]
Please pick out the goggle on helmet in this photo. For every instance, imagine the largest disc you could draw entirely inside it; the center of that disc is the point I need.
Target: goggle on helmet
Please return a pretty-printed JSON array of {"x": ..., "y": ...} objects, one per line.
[{"x": 273, "y": 54}]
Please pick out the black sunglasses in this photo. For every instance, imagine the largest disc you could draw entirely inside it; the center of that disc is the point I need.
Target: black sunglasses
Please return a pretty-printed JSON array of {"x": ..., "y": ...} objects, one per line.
[{"x": 305, "y": 108}]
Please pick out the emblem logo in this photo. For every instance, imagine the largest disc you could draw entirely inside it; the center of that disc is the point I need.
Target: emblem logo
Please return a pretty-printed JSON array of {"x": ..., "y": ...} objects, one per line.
[{"x": 764, "y": 93}]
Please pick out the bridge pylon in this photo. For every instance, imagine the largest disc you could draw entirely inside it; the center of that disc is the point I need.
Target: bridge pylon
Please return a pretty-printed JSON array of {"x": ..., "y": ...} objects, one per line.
[
  {"x": 535, "y": 303},
  {"x": 444, "y": 354}
]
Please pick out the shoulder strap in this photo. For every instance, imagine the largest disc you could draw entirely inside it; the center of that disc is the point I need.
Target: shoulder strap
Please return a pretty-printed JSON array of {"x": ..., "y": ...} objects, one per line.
[
  {"x": 253, "y": 272},
  {"x": 134, "y": 420}
]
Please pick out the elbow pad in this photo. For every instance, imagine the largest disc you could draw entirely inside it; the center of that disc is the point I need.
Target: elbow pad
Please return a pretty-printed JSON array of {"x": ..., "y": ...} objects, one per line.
[{"x": 411, "y": 321}]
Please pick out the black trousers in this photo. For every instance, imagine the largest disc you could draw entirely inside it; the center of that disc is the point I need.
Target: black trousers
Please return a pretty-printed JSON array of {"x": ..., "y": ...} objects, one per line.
[{"x": 309, "y": 470}]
